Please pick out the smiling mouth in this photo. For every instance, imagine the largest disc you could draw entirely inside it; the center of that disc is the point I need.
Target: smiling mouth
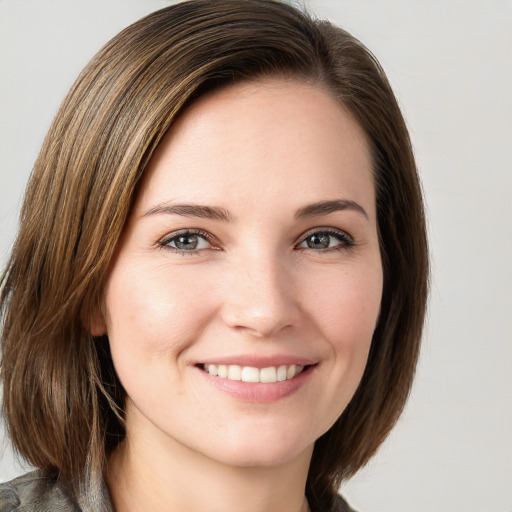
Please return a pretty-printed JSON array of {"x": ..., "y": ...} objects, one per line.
[{"x": 267, "y": 375}]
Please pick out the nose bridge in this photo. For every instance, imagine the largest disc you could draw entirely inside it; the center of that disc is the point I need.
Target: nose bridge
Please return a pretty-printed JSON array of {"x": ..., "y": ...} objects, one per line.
[{"x": 259, "y": 294}]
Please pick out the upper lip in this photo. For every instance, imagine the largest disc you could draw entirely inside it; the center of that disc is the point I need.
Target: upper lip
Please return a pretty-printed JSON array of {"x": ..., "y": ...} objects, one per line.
[{"x": 260, "y": 362}]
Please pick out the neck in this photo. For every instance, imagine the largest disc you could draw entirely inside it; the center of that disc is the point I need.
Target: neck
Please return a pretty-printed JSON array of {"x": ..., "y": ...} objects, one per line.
[{"x": 156, "y": 473}]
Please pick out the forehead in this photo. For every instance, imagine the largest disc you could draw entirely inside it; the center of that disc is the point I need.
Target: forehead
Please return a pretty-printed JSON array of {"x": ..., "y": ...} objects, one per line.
[{"x": 281, "y": 139}]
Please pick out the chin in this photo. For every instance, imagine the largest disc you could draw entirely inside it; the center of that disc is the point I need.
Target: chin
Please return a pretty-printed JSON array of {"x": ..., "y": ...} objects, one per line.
[
  {"x": 263, "y": 451},
  {"x": 260, "y": 459}
]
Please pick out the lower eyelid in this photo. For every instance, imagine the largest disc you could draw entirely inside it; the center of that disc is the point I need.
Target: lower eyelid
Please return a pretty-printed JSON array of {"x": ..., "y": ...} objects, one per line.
[
  {"x": 344, "y": 238},
  {"x": 166, "y": 240}
]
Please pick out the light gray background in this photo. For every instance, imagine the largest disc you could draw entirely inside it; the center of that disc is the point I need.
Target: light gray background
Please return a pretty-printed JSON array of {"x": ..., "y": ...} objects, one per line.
[{"x": 450, "y": 63}]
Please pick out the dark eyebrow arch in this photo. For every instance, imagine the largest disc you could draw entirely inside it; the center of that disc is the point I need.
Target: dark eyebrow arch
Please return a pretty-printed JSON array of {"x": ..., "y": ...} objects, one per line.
[
  {"x": 326, "y": 207},
  {"x": 191, "y": 210}
]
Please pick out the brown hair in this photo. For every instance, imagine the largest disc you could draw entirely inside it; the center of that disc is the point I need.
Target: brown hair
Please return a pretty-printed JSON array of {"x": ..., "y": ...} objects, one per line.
[{"x": 63, "y": 402}]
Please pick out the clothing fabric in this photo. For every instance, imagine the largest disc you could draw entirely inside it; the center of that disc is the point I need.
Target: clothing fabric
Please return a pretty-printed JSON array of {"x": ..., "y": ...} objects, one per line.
[{"x": 35, "y": 493}]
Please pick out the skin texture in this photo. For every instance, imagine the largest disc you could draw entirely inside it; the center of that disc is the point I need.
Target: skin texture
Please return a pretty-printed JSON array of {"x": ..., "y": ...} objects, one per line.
[{"x": 262, "y": 152}]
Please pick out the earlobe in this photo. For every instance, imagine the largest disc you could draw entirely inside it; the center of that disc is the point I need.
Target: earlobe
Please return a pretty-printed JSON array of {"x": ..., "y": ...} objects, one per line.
[{"x": 95, "y": 323}]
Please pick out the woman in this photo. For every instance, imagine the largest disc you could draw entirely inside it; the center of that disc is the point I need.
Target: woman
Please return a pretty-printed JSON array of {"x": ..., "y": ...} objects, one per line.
[{"x": 217, "y": 292}]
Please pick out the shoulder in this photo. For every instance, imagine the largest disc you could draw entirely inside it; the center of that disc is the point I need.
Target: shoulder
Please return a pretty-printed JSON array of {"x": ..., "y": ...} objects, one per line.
[
  {"x": 340, "y": 505},
  {"x": 34, "y": 493},
  {"x": 337, "y": 504}
]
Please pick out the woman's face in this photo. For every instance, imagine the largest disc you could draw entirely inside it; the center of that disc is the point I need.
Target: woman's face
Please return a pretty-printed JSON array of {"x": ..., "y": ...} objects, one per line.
[{"x": 251, "y": 253}]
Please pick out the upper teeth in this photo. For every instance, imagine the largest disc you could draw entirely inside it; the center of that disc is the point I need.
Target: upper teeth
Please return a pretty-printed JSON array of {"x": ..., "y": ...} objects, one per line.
[{"x": 251, "y": 374}]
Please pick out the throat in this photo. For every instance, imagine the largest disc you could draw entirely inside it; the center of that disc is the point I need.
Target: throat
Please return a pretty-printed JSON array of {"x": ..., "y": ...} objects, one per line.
[{"x": 141, "y": 481}]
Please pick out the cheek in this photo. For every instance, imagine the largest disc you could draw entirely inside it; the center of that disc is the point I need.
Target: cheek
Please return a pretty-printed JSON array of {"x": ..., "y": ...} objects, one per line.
[
  {"x": 347, "y": 304},
  {"x": 154, "y": 313},
  {"x": 348, "y": 312},
  {"x": 343, "y": 312}
]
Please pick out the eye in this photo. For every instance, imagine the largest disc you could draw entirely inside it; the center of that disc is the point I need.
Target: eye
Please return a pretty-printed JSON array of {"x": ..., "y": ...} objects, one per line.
[
  {"x": 187, "y": 241},
  {"x": 325, "y": 240}
]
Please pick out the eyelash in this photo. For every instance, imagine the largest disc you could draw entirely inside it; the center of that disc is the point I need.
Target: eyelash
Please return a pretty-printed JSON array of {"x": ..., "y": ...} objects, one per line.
[
  {"x": 164, "y": 242},
  {"x": 346, "y": 241}
]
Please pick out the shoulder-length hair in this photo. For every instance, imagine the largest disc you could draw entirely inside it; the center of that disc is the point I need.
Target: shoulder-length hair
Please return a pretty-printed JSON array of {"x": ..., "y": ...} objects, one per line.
[{"x": 62, "y": 400}]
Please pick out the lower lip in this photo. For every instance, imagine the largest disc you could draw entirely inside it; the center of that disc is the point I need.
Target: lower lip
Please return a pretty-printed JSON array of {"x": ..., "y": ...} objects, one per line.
[{"x": 259, "y": 392}]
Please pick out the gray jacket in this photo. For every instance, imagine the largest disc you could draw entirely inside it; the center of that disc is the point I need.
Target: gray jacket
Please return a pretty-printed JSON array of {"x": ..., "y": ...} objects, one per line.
[{"x": 34, "y": 493}]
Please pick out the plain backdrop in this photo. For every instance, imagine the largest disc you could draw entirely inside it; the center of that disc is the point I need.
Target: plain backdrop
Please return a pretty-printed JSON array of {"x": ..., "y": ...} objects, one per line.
[{"x": 450, "y": 62}]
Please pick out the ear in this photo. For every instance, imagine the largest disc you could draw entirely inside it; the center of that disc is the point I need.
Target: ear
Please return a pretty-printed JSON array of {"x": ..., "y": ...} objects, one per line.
[{"x": 95, "y": 323}]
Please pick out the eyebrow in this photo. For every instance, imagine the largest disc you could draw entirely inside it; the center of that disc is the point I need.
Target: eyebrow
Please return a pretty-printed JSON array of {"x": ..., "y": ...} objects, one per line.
[
  {"x": 217, "y": 213},
  {"x": 191, "y": 210},
  {"x": 327, "y": 207}
]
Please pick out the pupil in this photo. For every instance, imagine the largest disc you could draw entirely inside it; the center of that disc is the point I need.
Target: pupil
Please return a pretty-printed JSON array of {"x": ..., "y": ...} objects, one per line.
[
  {"x": 318, "y": 241},
  {"x": 188, "y": 242}
]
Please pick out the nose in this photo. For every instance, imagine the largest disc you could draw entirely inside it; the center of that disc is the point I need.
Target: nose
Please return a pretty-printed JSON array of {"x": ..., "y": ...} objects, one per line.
[{"x": 259, "y": 297}]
